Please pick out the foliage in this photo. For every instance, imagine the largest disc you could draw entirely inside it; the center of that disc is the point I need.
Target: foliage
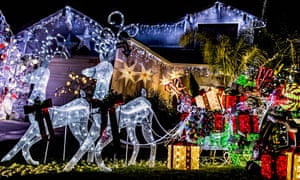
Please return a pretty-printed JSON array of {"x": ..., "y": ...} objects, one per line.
[
  {"x": 121, "y": 170},
  {"x": 281, "y": 49},
  {"x": 75, "y": 84},
  {"x": 109, "y": 100},
  {"x": 163, "y": 110},
  {"x": 226, "y": 57}
]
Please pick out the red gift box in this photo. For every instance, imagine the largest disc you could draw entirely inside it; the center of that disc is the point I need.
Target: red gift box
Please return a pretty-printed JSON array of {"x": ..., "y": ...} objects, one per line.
[
  {"x": 254, "y": 123},
  {"x": 218, "y": 122},
  {"x": 230, "y": 101},
  {"x": 274, "y": 167},
  {"x": 245, "y": 123}
]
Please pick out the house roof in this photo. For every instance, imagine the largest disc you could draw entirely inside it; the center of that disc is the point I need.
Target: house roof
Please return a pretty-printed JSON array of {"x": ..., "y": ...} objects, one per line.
[
  {"x": 72, "y": 25},
  {"x": 221, "y": 18},
  {"x": 80, "y": 31}
]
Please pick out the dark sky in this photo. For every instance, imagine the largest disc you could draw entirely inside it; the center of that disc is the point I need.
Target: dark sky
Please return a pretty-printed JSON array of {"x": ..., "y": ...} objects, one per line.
[{"x": 22, "y": 13}]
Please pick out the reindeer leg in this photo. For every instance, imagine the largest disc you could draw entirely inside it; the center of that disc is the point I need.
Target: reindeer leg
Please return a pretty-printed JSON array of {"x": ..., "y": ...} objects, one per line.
[
  {"x": 80, "y": 132},
  {"x": 105, "y": 139},
  {"x": 136, "y": 147},
  {"x": 87, "y": 143},
  {"x": 26, "y": 149},
  {"x": 28, "y": 135},
  {"x": 147, "y": 133}
]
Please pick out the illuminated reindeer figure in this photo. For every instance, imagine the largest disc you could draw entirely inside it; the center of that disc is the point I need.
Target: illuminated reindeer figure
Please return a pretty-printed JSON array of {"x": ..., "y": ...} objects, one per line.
[
  {"x": 137, "y": 112},
  {"x": 134, "y": 113},
  {"x": 79, "y": 111},
  {"x": 74, "y": 114}
]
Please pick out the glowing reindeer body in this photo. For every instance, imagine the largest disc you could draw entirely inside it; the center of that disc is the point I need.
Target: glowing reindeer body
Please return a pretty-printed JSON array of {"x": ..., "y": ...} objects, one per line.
[
  {"x": 137, "y": 112},
  {"x": 74, "y": 114}
]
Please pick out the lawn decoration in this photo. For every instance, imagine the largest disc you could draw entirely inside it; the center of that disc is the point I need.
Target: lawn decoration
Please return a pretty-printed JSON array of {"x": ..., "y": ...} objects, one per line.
[
  {"x": 105, "y": 43},
  {"x": 74, "y": 114},
  {"x": 183, "y": 157},
  {"x": 39, "y": 81},
  {"x": 70, "y": 114},
  {"x": 277, "y": 145},
  {"x": 277, "y": 136},
  {"x": 134, "y": 113},
  {"x": 232, "y": 130},
  {"x": 102, "y": 73},
  {"x": 198, "y": 127},
  {"x": 7, "y": 100},
  {"x": 9, "y": 56},
  {"x": 137, "y": 112}
]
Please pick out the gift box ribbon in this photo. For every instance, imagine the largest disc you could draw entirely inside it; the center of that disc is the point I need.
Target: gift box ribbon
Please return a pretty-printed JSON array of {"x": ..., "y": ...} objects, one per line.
[{"x": 40, "y": 110}]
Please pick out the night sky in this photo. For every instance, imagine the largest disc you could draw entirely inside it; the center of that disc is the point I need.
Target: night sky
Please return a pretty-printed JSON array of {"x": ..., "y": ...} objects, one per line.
[{"x": 23, "y": 13}]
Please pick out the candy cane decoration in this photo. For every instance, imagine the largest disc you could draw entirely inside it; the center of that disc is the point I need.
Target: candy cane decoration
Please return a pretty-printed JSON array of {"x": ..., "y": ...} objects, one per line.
[{"x": 264, "y": 74}]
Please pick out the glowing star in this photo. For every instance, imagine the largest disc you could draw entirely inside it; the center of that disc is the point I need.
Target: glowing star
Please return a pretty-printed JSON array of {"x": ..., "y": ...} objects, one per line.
[
  {"x": 128, "y": 73},
  {"x": 84, "y": 39},
  {"x": 165, "y": 81},
  {"x": 145, "y": 75},
  {"x": 69, "y": 45},
  {"x": 174, "y": 74}
]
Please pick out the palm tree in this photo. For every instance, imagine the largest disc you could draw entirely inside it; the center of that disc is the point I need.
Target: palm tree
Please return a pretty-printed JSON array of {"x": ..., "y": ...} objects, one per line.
[
  {"x": 283, "y": 51},
  {"x": 225, "y": 56}
]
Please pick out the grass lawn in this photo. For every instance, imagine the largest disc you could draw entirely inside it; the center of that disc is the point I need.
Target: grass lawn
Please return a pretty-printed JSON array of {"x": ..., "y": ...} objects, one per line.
[
  {"x": 53, "y": 168},
  {"x": 120, "y": 171}
]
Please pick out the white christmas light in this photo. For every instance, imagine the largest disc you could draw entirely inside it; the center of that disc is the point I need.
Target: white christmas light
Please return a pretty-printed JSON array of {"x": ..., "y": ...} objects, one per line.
[
  {"x": 76, "y": 113},
  {"x": 137, "y": 112},
  {"x": 102, "y": 72}
]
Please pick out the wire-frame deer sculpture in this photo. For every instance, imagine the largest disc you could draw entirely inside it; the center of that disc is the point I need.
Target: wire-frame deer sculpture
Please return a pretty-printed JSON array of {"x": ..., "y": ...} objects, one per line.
[{"x": 77, "y": 110}]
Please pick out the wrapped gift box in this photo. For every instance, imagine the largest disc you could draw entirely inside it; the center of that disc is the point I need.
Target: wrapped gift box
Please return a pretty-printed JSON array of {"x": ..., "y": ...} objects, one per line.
[
  {"x": 274, "y": 167},
  {"x": 219, "y": 122},
  {"x": 230, "y": 101},
  {"x": 183, "y": 157},
  {"x": 209, "y": 100},
  {"x": 245, "y": 123},
  {"x": 293, "y": 165},
  {"x": 213, "y": 99}
]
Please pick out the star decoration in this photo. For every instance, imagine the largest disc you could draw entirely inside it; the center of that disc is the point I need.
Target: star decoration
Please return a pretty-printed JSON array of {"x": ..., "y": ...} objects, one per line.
[
  {"x": 69, "y": 44},
  {"x": 128, "y": 73},
  {"x": 84, "y": 39},
  {"x": 145, "y": 75},
  {"x": 174, "y": 75},
  {"x": 165, "y": 81},
  {"x": 173, "y": 84}
]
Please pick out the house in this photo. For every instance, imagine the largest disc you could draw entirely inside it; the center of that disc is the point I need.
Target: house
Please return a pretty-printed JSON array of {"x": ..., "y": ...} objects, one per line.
[{"x": 154, "y": 51}]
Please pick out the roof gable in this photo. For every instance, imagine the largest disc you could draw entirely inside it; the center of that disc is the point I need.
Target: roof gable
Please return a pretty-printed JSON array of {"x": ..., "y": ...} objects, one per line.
[
  {"x": 69, "y": 23},
  {"x": 222, "y": 13},
  {"x": 168, "y": 34}
]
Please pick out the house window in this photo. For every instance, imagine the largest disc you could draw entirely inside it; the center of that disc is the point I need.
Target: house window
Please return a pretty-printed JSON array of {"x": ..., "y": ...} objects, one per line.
[{"x": 229, "y": 29}]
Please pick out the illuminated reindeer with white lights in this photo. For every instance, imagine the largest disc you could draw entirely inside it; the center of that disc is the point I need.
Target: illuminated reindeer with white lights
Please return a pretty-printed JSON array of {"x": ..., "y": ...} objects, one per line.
[
  {"x": 74, "y": 114},
  {"x": 137, "y": 112}
]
